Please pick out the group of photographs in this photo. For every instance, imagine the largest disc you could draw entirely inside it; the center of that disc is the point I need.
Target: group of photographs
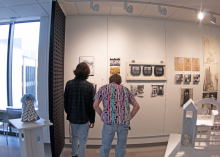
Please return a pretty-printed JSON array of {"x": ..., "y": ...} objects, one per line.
[
  {"x": 138, "y": 90},
  {"x": 147, "y": 70},
  {"x": 186, "y": 78}
]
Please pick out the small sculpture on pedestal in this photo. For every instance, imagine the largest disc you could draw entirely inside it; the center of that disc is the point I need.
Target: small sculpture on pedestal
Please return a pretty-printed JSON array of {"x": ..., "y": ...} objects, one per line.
[{"x": 28, "y": 112}]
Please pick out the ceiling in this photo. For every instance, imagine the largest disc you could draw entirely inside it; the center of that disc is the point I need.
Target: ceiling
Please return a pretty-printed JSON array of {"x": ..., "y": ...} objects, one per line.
[
  {"x": 24, "y": 8},
  {"x": 116, "y": 8}
]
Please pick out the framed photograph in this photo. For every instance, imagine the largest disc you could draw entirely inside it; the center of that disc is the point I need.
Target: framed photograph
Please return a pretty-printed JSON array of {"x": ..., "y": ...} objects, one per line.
[
  {"x": 158, "y": 70},
  {"x": 186, "y": 94},
  {"x": 90, "y": 61},
  {"x": 114, "y": 61},
  {"x": 140, "y": 90},
  {"x": 196, "y": 78},
  {"x": 179, "y": 78},
  {"x": 135, "y": 70},
  {"x": 157, "y": 90},
  {"x": 187, "y": 78},
  {"x": 146, "y": 71}
]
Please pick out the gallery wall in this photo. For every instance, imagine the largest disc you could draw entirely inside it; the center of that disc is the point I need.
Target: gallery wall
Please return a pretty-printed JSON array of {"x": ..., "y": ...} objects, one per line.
[{"x": 142, "y": 40}]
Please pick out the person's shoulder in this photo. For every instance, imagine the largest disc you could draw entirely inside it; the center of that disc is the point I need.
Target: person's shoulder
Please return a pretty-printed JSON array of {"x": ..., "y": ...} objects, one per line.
[
  {"x": 88, "y": 83},
  {"x": 69, "y": 82}
]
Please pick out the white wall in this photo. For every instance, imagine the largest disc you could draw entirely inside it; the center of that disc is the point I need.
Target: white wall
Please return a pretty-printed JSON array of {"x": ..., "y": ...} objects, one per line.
[{"x": 145, "y": 40}]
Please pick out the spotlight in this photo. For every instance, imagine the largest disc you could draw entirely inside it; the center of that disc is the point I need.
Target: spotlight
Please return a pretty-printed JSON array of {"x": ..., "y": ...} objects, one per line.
[
  {"x": 212, "y": 19},
  {"x": 162, "y": 11},
  {"x": 200, "y": 16},
  {"x": 129, "y": 9},
  {"x": 95, "y": 7}
]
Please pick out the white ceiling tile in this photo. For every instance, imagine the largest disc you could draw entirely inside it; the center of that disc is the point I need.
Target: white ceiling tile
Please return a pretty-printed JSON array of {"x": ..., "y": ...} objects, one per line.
[
  {"x": 152, "y": 11},
  {"x": 84, "y": 8},
  {"x": 2, "y": 5},
  {"x": 184, "y": 15},
  {"x": 7, "y": 13},
  {"x": 45, "y": 1},
  {"x": 205, "y": 5},
  {"x": 172, "y": 2},
  {"x": 69, "y": 8},
  {"x": 47, "y": 7},
  {"x": 118, "y": 9},
  {"x": 29, "y": 10},
  {"x": 18, "y": 2}
]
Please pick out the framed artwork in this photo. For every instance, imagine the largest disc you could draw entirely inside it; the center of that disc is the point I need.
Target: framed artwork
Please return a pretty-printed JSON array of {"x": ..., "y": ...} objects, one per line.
[
  {"x": 187, "y": 78},
  {"x": 135, "y": 70},
  {"x": 178, "y": 63},
  {"x": 187, "y": 64},
  {"x": 196, "y": 78},
  {"x": 90, "y": 61},
  {"x": 157, "y": 90},
  {"x": 210, "y": 79},
  {"x": 210, "y": 50},
  {"x": 179, "y": 78},
  {"x": 140, "y": 90},
  {"x": 195, "y": 64},
  {"x": 114, "y": 61},
  {"x": 146, "y": 71},
  {"x": 186, "y": 94},
  {"x": 114, "y": 70}
]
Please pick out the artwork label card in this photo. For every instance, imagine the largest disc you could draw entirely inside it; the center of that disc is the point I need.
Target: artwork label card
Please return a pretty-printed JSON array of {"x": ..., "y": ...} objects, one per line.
[
  {"x": 89, "y": 60},
  {"x": 187, "y": 64},
  {"x": 210, "y": 79},
  {"x": 210, "y": 50},
  {"x": 178, "y": 63},
  {"x": 186, "y": 94},
  {"x": 195, "y": 64}
]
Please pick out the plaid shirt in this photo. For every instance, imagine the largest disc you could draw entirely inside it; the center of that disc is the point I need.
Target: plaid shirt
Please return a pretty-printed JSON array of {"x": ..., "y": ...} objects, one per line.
[
  {"x": 116, "y": 107},
  {"x": 78, "y": 101}
]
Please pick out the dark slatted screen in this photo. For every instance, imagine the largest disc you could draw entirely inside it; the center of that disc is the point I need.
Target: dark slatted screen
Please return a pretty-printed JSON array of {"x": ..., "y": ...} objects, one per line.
[{"x": 56, "y": 75}]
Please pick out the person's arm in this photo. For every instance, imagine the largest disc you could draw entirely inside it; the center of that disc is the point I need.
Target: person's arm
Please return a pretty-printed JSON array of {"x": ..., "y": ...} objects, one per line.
[
  {"x": 96, "y": 107},
  {"x": 135, "y": 109},
  {"x": 91, "y": 109}
]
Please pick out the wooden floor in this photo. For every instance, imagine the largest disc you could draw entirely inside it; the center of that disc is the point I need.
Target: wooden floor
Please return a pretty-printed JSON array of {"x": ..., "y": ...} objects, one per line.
[{"x": 13, "y": 150}]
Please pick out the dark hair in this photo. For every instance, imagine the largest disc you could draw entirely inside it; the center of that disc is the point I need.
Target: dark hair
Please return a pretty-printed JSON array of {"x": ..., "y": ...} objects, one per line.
[
  {"x": 115, "y": 78},
  {"x": 82, "y": 70}
]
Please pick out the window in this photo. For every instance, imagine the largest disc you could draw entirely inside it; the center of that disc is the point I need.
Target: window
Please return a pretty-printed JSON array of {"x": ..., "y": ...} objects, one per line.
[
  {"x": 24, "y": 61},
  {"x": 4, "y": 34}
]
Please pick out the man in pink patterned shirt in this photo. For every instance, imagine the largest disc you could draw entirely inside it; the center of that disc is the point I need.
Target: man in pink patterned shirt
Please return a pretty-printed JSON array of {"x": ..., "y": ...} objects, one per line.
[{"x": 116, "y": 114}]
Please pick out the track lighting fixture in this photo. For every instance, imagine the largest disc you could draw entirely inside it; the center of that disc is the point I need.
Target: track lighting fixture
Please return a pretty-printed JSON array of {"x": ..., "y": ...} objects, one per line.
[
  {"x": 212, "y": 19},
  {"x": 162, "y": 11},
  {"x": 95, "y": 7},
  {"x": 200, "y": 15},
  {"x": 129, "y": 8}
]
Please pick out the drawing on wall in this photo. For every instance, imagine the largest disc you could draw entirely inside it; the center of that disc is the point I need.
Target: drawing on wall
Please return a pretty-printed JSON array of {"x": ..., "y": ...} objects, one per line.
[
  {"x": 133, "y": 89},
  {"x": 187, "y": 64},
  {"x": 178, "y": 63},
  {"x": 114, "y": 70},
  {"x": 114, "y": 61},
  {"x": 210, "y": 82},
  {"x": 210, "y": 50},
  {"x": 89, "y": 60},
  {"x": 186, "y": 94},
  {"x": 207, "y": 108},
  {"x": 157, "y": 90},
  {"x": 135, "y": 70},
  {"x": 195, "y": 64},
  {"x": 196, "y": 78},
  {"x": 179, "y": 78},
  {"x": 187, "y": 78},
  {"x": 158, "y": 70},
  {"x": 147, "y": 70},
  {"x": 140, "y": 90}
]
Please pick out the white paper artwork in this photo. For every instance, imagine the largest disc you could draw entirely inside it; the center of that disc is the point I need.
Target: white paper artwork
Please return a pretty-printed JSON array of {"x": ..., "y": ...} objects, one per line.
[
  {"x": 90, "y": 61},
  {"x": 140, "y": 90},
  {"x": 114, "y": 61},
  {"x": 210, "y": 50},
  {"x": 210, "y": 82},
  {"x": 133, "y": 89},
  {"x": 157, "y": 90}
]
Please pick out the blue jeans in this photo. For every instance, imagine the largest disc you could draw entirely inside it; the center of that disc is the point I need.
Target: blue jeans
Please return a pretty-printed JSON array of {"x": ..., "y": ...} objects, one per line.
[
  {"x": 79, "y": 133},
  {"x": 108, "y": 133}
]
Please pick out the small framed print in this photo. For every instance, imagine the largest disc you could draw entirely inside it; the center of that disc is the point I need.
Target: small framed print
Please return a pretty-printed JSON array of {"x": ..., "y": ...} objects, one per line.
[
  {"x": 147, "y": 70},
  {"x": 135, "y": 70},
  {"x": 158, "y": 70}
]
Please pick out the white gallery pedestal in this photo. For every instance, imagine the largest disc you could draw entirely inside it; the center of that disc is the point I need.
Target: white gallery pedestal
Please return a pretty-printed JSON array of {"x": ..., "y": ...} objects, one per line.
[
  {"x": 31, "y": 136},
  {"x": 174, "y": 149}
]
